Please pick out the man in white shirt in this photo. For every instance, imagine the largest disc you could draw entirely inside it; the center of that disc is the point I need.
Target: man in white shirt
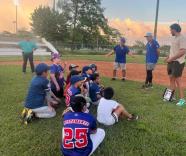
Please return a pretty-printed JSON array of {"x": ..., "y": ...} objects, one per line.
[
  {"x": 109, "y": 111},
  {"x": 176, "y": 61}
]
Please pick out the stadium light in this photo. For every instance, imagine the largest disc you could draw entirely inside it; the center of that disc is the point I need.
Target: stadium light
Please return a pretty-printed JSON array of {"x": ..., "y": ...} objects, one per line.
[
  {"x": 16, "y": 3},
  {"x": 156, "y": 19}
]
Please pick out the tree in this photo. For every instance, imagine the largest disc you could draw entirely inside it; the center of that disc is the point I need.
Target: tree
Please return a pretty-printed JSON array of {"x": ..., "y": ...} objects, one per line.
[
  {"x": 49, "y": 24},
  {"x": 86, "y": 20},
  {"x": 139, "y": 46}
]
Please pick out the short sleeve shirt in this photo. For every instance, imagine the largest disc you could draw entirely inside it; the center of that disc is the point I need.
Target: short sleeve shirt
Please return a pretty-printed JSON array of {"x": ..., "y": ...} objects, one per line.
[
  {"x": 105, "y": 109},
  {"x": 178, "y": 42},
  {"x": 37, "y": 93},
  {"x": 57, "y": 70},
  {"x": 79, "y": 127},
  {"x": 27, "y": 46},
  {"x": 93, "y": 91},
  {"x": 72, "y": 91},
  {"x": 152, "y": 54},
  {"x": 120, "y": 53}
]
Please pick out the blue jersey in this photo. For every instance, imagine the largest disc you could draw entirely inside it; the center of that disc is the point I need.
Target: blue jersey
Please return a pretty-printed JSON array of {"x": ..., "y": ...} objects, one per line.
[
  {"x": 152, "y": 54},
  {"x": 86, "y": 75},
  {"x": 57, "y": 70},
  {"x": 72, "y": 91},
  {"x": 37, "y": 92},
  {"x": 121, "y": 53},
  {"x": 77, "y": 128},
  {"x": 93, "y": 91}
]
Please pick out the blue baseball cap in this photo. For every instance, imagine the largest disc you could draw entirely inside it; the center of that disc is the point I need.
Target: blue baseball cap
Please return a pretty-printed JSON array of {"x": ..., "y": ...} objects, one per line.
[
  {"x": 122, "y": 40},
  {"x": 40, "y": 68},
  {"x": 86, "y": 68},
  {"x": 76, "y": 78},
  {"x": 149, "y": 34}
]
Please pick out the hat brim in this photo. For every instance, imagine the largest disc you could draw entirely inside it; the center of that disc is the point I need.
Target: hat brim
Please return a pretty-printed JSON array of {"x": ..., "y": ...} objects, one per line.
[
  {"x": 83, "y": 79},
  {"x": 75, "y": 66}
]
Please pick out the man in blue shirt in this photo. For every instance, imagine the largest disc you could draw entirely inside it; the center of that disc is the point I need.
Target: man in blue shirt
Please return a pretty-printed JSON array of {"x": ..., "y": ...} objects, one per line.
[
  {"x": 95, "y": 89},
  {"x": 152, "y": 56},
  {"x": 37, "y": 94},
  {"x": 80, "y": 137},
  {"x": 27, "y": 47},
  {"x": 120, "y": 52}
]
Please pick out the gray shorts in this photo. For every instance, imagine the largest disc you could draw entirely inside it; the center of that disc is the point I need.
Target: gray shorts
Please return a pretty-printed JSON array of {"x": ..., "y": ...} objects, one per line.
[
  {"x": 118, "y": 65},
  {"x": 150, "y": 66}
]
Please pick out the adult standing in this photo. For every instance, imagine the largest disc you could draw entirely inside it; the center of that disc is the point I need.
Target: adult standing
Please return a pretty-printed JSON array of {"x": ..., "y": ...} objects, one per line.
[
  {"x": 120, "y": 52},
  {"x": 28, "y": 48},
  {"x": 152, "y": 56},
  {"x": 176, "y": 61}
]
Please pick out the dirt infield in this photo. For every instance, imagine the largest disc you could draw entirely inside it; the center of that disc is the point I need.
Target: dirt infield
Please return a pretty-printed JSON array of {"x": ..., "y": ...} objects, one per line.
[{"x": 135, "y": 72}]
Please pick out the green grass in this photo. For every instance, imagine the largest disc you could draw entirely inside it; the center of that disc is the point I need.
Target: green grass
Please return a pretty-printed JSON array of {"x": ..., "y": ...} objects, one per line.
[
  {"x": 159, "y": 132},
  {"x": 137, "y": 59}
]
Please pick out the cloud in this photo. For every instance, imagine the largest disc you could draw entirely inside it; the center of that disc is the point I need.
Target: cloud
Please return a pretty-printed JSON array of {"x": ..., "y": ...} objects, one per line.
[
  {"x": 25, "y": 8},
  {"x": 135, "y": 30},
  {"x": 131, "y": 29}
]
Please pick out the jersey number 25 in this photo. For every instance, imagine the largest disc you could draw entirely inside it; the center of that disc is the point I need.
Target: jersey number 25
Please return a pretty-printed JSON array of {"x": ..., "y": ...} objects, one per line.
[{"x": 75, "y": 138}]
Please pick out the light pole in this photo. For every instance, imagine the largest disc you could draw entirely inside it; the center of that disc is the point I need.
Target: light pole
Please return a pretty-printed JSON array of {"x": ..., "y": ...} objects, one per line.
[
  {"x": 54, "y": 5},
  {"x": 16, "y": 20},
  {"x": 156, "y": 19}
]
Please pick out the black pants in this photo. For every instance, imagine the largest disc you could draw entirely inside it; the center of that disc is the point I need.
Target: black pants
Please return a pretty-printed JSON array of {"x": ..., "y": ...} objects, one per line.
[
  {"x": 27, "y": 57},
  {"x": 149, "y": 77}
]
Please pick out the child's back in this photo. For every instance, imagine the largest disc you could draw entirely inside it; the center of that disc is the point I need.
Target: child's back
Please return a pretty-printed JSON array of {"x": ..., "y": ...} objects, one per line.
[
  {"x": 37, "y": 92},
  {"x": 105, "y": 110}
]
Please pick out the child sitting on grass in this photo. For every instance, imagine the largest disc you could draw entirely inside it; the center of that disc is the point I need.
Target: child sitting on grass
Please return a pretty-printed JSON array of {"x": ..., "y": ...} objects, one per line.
[
  {"x": 38, "y": 99},
  {"x": 109, "y": 111},
  {"x": 76, "y": 88},
  {"x": 72, "y": 68},
  {"x": 80, "y": 137},
  {"x": 72, "y": 73},
  {"x": 95, "y": 89},
  {"x": 57, "y": 75}
]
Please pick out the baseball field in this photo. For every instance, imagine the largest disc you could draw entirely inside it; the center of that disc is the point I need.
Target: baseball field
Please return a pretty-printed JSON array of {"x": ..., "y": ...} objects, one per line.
[{"x": 160, "y": 131}]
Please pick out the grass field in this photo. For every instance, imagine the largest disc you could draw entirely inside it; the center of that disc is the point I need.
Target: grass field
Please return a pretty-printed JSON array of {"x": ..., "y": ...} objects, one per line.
[
  {"x": 159, "y": 132},
  {"x": 137, "y": 59}
]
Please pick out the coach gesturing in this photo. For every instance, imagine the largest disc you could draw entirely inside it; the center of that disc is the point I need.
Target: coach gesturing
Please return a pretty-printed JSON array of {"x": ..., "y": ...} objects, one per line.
[
  {"x": 27, "y": 47},
  {"x": 176, "y": 61}
]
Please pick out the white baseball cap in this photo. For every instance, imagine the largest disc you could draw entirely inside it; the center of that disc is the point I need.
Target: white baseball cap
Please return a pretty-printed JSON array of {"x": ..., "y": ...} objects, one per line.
[{"x": 149, "y": 34}]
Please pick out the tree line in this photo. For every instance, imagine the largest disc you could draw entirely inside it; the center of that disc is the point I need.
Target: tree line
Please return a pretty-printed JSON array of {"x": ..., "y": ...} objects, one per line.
[{"x": 74, "y": 21}]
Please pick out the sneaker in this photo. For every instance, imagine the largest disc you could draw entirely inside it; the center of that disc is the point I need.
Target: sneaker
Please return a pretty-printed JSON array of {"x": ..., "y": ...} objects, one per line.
[
  {"x": 29, "y": 117},
  {"x": 145, "y": 86},
  {"x": 181, "y": 102},
  {"x": 150, "y": 85},
  {"x": 24, "y": 113},
  {"x": 134, "y": 117}
]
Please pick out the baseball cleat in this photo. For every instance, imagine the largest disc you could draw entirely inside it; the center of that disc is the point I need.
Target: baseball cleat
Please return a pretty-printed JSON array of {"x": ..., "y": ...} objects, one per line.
[
  {"x": 113, "y": 78},
  {"x": 24, "y": 113},
  {"x": 29, "y": 117},
  {"x": 145, "y": 86},
  {"x": 150, "y": 85}
]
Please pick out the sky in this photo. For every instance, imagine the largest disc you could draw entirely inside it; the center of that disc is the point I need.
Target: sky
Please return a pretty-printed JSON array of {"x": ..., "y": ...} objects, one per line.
[{"x": 133, "y": 18}]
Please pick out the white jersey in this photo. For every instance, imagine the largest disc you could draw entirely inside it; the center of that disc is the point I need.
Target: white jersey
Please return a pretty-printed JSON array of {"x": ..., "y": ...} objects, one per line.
[{"x": 105, "y": 110}]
